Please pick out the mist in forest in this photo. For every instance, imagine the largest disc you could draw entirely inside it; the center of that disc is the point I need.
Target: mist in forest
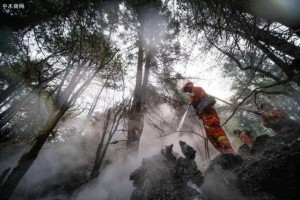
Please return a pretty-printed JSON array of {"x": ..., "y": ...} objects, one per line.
[{"x": 67, "y": 161}]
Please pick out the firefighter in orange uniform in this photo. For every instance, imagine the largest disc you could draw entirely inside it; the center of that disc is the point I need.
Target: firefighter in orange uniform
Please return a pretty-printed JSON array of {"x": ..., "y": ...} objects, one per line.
[
  {"x": 205, "y": 111},
  {"x": 274, "y": 118},
  {"x": 244, "y": 137}
]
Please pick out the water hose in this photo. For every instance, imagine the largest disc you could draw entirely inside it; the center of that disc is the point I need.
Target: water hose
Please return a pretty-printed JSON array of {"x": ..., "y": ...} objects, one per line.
[
  {"x": 238, "y": 107},
  {"x": 182, "y": 119}
]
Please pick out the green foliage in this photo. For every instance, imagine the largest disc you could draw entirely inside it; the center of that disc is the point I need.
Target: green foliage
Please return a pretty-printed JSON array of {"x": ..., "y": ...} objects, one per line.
[{"x": 245, "y": 81}]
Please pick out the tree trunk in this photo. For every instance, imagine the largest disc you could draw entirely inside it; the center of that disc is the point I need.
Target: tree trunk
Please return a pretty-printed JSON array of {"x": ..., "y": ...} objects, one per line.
[
  {"x": 96, "y": 165},
  {"x": 146, "y": 73},
  {"x": 135, "y": 118},
  {"x": 102, "y": 148},
  {"x": 136, "y": 115}
]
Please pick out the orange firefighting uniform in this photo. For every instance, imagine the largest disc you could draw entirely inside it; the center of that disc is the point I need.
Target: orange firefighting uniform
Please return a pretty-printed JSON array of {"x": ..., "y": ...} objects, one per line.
[
  {"x": 245, "y": 139},
  {"x": 274, "y": 119},
  {"x": 211, "y": 121}
]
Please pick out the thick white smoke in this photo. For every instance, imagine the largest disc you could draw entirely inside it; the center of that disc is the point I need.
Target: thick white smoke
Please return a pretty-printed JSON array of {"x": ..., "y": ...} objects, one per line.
[
  {"x": 60, "y": 165},
  {"x": 113, "y": 182}
]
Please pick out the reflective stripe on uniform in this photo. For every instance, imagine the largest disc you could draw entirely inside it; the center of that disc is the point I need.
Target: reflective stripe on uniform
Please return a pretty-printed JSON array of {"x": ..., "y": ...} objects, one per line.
[{"x": 223, "y": 137}]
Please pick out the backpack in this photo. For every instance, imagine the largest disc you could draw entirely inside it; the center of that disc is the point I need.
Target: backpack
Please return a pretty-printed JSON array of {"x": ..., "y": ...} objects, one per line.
[{"x": 206, "y": 102}]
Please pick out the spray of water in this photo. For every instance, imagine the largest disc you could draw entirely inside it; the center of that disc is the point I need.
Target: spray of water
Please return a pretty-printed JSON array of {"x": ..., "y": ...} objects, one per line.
[
  {"x": 182, "y": 120},
  {"x": 195, "y": 187}
]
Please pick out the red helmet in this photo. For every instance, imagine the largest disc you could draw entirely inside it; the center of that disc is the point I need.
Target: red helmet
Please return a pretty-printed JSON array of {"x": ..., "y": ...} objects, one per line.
[{"x": 185, "y": 86}]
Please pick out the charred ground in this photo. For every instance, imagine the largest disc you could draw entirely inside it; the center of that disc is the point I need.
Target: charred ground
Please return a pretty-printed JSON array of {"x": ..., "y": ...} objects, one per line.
[{"x": 270, "y": 170}]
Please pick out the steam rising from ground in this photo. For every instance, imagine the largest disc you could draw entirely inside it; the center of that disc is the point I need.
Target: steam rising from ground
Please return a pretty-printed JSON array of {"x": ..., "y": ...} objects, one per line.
[
  {"x": 220, "y": 185},
  {"x": 55, "y": 165},
  {"x": 59, "y": 162},
  {"x": 113, "y": 183}
]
